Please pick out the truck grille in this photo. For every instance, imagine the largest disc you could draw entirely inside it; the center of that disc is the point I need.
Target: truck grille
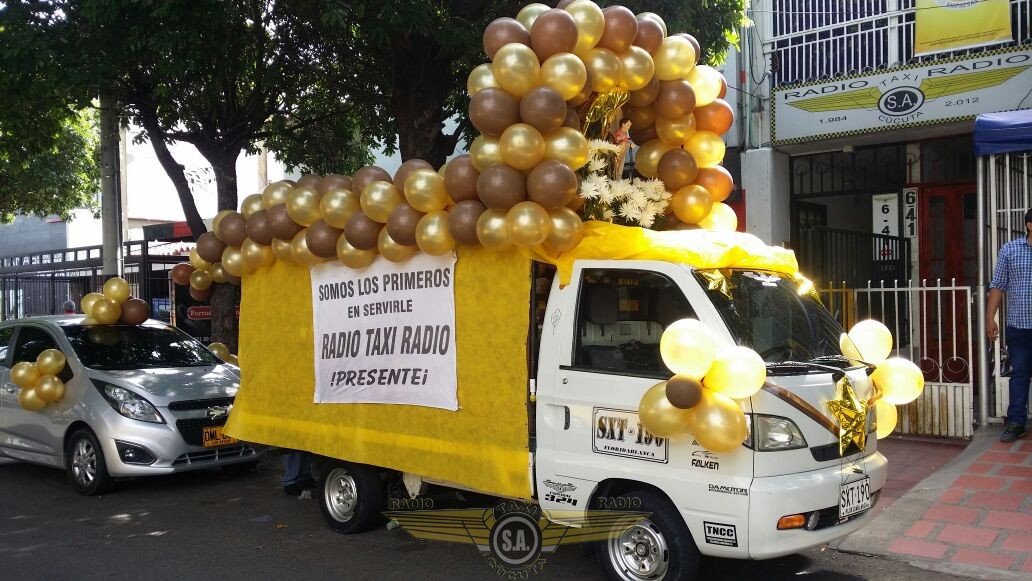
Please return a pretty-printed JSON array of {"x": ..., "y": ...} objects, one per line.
[{"x": 191, "y": 428}]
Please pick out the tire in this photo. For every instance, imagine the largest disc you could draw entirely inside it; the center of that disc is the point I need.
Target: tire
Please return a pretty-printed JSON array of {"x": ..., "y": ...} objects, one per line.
[
  {"x": 241, "y": 467},
  {"x": 85, "y": 464},
  {"x": 351, "y": 497},
  {"x": 669, "y": 551}
]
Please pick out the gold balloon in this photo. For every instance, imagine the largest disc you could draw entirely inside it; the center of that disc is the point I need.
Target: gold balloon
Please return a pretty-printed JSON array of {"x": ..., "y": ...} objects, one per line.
[
  {"x": 687, "y": 348},
  {"x": 303, "y": 205},
  {"x": 717, "y": 422},
  {"x": 299, "y": 250},
  {"x": 516, "y": 68},
  {"x": 527, "y": 224},
  {"x": 391, "y": 250},
  {"x": 233, "y": 262},
  {"x": 638, "y": 68},
  {"x": 691, "y": 204},
  {"x": 30, "y": 401},
  {"x": 659, "y": 416},
  {"x": 899, "y": 380},
  {"x": 233, "y": 360},
  {"x": 706, "y": 147},
  {"x": 674, "y": 59},
  {"x": 886, "y": 417},
  {"x": 107, "y": 311},
  {"x": 353, "y": 257},
  {"x": 219, "y": 349},
  {"x": 433, "y": 235},
  {"x": 379, "y": 199},
  {"x": 605, "y": 68},
  {"x": 276, "y": 193},
  {"x": 492, "y": 231},
  {"x": 218, "y": 220},
  {"x": 251, "y": 204},
  {"x": 529, "y": 13},
  {"x": 116, "y": 289},
  {"x": 481, "y": 78},
  {"x": 337, "y": 206},
  {"x": 255, "y": 255},
  {"x": 591, "y": 23},
  {"x": 565, "y": 73},
  {"x": 199, "y": 279},
  {"x": 720, "y": 219},
  {"x": 197, "y": 262},
  {"x": 50, "y": 362},
  {"x": 424, "y": 190},
  {"x": 706, "y": 82},
  {"x": 24, "y": 374},
  {"x": 675, "y": 131},
  {"x": 218, "y": 274},
  {"x": 566, "y": 232},
  {"x": 737, "y": 372},
  {"x": 649, "y": 154},
  {"x": 847, "y": 347},
  {"x": 872, "y": 339},
  {"x": 521, "y": 146},
  {"x": 49, "y": 388},
  {"x": 484, "y": 152},
  {"x": 567, "y": 145},
  {"x": 281, "y": 248},
  {"x": 87, "y": 301},
  {"x": 88, "y": 321}
]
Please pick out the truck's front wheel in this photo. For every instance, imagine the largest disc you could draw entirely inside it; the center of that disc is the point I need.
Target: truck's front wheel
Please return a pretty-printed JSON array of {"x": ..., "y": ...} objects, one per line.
[
  {"x": 352, "y": 497},
  {"x": 659, "y": 547}
]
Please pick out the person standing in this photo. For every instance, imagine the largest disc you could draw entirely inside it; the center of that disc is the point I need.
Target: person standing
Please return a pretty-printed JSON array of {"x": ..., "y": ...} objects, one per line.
[{"x": 1013, "y": 276}]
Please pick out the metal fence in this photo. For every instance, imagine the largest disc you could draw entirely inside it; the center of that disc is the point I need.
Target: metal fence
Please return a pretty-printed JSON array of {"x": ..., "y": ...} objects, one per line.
[{"x": 852, "y": 257}]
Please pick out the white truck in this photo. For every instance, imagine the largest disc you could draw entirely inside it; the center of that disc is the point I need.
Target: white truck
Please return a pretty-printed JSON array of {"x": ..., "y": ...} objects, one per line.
[{"x": 592, "y": 350}]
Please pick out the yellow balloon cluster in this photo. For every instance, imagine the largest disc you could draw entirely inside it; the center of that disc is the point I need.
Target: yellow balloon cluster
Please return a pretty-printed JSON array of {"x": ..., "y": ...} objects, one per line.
[
  {"x": 700, "y": 397},
  {"x": 114, "y": 305},
  {"x": 38, "y": 380}
]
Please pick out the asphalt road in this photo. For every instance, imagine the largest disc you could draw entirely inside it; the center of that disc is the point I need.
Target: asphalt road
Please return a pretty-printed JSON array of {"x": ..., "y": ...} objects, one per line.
[{"x": 213, "y": 525}]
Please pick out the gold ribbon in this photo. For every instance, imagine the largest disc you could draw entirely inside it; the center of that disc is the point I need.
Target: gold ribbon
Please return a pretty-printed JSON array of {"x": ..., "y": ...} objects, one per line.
[
  {"x": 718, "y": 280},
  {"x": 851, "y": 414},
  {"x": 601, "y": 111}
]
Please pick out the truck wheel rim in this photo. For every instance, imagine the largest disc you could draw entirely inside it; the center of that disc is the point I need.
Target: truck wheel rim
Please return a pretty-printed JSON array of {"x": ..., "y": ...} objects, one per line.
[
  {"x": 84, "y": 462},
  {"x": 640, "y": 552},
  {"x": 340, "y": 494}
]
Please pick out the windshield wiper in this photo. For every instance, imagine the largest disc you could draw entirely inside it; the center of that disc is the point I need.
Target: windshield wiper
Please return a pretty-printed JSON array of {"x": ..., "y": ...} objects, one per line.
[
  {"x": 789, "y": 367},
  {"x": 870, "y": 366}
]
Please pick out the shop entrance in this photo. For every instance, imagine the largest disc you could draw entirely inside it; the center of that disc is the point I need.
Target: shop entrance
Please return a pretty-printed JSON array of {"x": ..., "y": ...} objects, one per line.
[{"x": 948, "y": 247}]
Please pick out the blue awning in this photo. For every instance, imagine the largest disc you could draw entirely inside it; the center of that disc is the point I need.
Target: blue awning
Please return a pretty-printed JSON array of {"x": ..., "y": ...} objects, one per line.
[{"x": 1003, "y": 132}]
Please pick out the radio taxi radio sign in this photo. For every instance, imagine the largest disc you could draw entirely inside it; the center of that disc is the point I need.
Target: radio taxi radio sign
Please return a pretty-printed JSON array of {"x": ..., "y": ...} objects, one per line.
[{"x": 940, "y": 92}]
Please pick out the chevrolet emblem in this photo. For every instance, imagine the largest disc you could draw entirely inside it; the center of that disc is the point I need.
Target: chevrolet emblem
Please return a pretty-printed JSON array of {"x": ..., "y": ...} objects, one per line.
[{"x": 217, "y": 411}]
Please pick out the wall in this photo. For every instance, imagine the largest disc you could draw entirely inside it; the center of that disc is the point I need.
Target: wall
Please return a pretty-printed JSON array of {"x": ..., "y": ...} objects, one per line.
[{"x": 28, "y": 234}]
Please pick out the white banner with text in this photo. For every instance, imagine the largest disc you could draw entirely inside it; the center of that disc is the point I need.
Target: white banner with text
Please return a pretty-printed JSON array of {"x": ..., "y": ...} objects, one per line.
[{"x": 386, "y": 333}]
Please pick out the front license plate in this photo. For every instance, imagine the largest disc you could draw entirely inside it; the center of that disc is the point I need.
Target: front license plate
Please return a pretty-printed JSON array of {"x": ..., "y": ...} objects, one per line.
[
  {"x": 854, "y": 497},
  {"x": 212, "y": 437}
]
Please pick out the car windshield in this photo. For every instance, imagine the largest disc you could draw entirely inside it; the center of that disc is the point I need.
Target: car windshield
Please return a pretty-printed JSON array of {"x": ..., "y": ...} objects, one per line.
[
  {"x": 123, "y": 347},
  {"x": 766, "y": 312}
]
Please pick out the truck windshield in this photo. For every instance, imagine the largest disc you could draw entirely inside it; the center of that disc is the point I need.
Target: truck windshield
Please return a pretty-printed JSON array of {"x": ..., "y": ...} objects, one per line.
[
  {"x": 764, "y": 311},
  {"x": 124, "y": 347}
]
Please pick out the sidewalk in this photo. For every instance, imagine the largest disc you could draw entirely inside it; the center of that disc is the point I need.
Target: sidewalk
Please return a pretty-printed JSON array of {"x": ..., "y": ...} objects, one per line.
[{"x": 971, "y": 515}]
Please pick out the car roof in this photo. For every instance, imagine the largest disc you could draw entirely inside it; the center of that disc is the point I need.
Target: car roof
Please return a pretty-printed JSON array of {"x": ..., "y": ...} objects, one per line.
[{"x": 63, "y": 320}]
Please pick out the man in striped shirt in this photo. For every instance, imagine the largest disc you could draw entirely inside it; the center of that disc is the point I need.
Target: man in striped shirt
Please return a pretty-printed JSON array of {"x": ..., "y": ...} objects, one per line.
[{"x": 1013, "y": 275}]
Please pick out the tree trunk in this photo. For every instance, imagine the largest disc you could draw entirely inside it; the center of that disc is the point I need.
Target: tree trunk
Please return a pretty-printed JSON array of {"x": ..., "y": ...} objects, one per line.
[
  {"x": 175, "y": 172},
  {"x": 225, "y": 325},
  {"x": 421, "y": 83}
]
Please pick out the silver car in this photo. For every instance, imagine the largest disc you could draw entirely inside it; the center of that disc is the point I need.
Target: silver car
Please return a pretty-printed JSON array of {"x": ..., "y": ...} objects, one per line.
[{"x": 139, "y": 400}]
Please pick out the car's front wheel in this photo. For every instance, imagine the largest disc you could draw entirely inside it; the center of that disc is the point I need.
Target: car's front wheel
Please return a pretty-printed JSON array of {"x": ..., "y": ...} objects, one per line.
[
  {"x": 85, "y": 464},
  {"x": 351, "y": 497}
]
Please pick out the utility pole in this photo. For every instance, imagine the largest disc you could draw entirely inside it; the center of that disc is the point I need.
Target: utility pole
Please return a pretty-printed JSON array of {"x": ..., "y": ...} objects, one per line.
[{"x": 110, "y": 195}]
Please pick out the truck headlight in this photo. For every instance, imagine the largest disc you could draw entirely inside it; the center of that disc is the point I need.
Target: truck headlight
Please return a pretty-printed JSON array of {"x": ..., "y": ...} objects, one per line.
[
  {"x": 772, "y": 433},
  {"x": 129, "y": 404}
]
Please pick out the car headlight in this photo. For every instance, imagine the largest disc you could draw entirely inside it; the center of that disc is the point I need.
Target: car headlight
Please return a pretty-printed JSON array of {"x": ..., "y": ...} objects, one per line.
[
  {"x": 772, "y": 433},
  {"x": 129, "y": 404}
]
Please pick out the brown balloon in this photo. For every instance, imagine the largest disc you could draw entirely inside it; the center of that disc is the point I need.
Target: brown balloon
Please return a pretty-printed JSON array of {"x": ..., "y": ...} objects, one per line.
[
  {"x": 209, "y": 247},
  {"x": 493, "y": 110},
  {"x": 542, "y": 107},
  {"x": 460, "y": 179},
  {"x": 553, "y": 32},
  {"x": 407, "y": 168},
  {"x": 572, "y": 119},
  {"x": 551, "y": 184},
  {"x": 233, "y": 229},
  {"x": 723, "y": 88},
  {"x": 645, "y": 96},
  {"x": 201, "y": 295},
  {"x": 501, "y": 187},
  {"x": 716, "y": 117},
  {"x": 134, "y": 312},
  {"x": 258, "y": 228},
  {"x": 717, "y": 181},
  {"x": 321, "y": 239},
  {"x": 309, "y": 181},
  {"x": 676, "y": 99},
  {"x": 332, "y": 182},
  {"x": 695, "y": 44},
  {"x": 401, "y": 224},
  {"x": 180, "y": 273},
  {"x": 361, "y": 231},
  {"x": 280, "y": 224},
  {"x": 640, "y": 116},
  {"x": 462, "y": 221},
  {"x": 683, "y": 391},
  {"x": 621, "y": 29},
  {"x": 501, "y": 32},
  {"x": 677, "y": 168},
  {"x": 368, "y": 175},
  {"x": 643, "y": 134},
  {"x": 650, "y": 35},
  {"x": 563, "y": 3}
]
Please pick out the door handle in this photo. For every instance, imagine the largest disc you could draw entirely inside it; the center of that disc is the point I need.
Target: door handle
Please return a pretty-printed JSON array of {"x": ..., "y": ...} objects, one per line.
[{"x": 566, "y": 418}]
